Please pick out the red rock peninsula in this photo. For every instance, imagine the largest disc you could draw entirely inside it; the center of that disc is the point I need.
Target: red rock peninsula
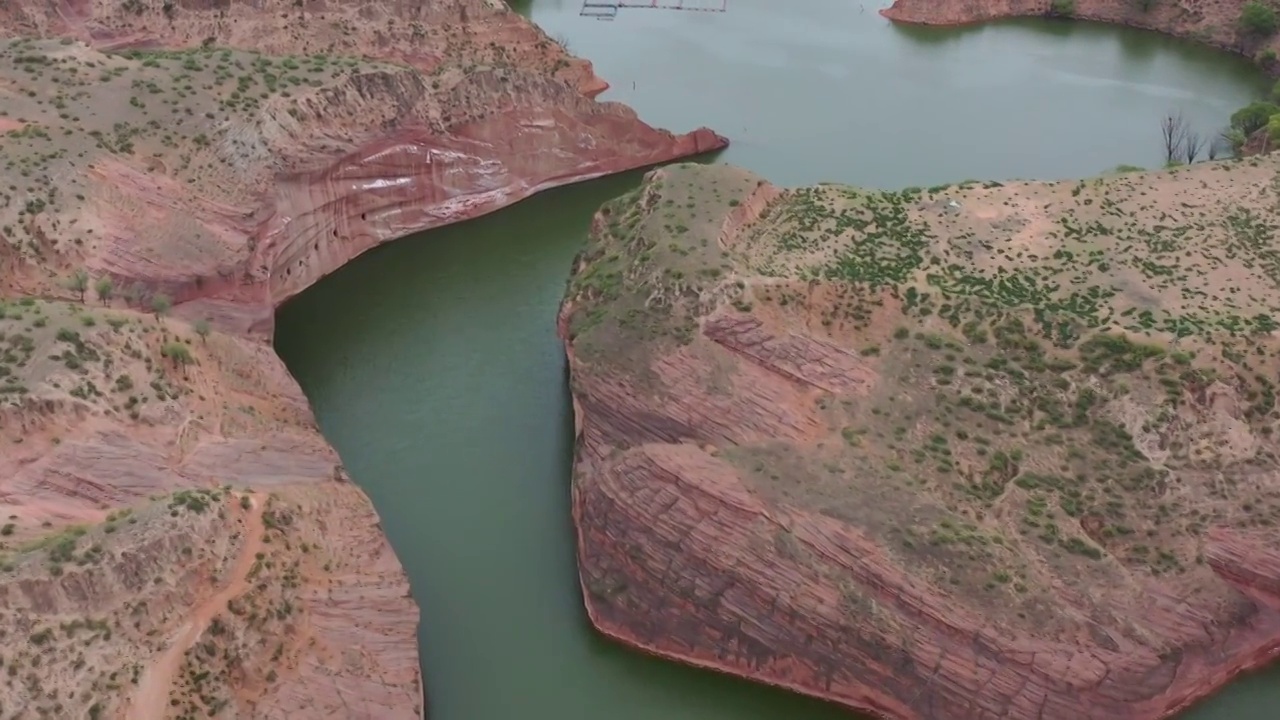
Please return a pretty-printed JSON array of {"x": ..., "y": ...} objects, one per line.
[
  {"x": 1214, "y": 22},
  {"x": 180, "y": 540},
  {"x": 983, "y": 451},
  {"x": 423, "y": 114}
]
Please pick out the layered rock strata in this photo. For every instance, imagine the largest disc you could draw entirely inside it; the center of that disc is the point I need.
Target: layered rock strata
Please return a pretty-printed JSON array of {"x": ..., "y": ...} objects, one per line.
[
  {"x": 172, "y": 173},
  {"x": 367, "y": 125},
  {"x": 981, "y": 451}
]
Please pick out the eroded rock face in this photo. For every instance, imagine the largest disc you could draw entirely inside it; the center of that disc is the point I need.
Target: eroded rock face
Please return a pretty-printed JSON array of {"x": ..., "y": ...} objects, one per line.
[
  {"x": 356, "y": 126},
  {"x": 168, "y": 494},
  {"x": 1206, "y": 21},
  {"x": 983, "y": 451},
  {"x": 129, "y": 469}
]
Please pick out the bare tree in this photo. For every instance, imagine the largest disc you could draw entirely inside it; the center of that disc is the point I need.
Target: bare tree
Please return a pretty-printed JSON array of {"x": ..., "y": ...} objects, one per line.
[
  {"x": 1219, "y": 146},
  {"x": 1193, "y": 142},
  {"x": 1174, "y": 131}
]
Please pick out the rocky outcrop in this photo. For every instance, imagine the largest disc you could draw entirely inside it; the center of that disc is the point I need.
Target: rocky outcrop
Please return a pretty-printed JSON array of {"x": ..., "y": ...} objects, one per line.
[
  {"x": 413, "y": 180},
  {"x": 123, "y": 475},
  {"x": 870, "y": 447},
  {"x": 453, "y": 110},
  {"x": 402, "y": 180},
  {"x": 235, "y": 153},
  {"x": 1213, "y": 23}
]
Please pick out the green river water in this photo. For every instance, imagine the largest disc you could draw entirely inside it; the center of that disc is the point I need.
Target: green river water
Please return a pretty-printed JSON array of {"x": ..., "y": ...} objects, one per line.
[{"x": 434, "y": 367}]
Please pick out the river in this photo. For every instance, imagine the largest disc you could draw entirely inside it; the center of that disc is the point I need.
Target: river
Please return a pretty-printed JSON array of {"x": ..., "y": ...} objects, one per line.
[{"x": 434, "y": 368}]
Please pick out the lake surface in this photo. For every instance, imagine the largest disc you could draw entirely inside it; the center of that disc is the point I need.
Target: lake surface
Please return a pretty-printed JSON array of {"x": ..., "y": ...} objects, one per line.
[{"x": 434, "y": 367}]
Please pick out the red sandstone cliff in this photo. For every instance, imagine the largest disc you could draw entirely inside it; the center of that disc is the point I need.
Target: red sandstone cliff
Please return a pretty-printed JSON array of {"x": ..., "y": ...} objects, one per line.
[
  {"x": 478, "y": 110},
  {"x": 1206, "y": 21},
  {"x": 743, "y": 503},
  {"x": 252, "y": 149}
]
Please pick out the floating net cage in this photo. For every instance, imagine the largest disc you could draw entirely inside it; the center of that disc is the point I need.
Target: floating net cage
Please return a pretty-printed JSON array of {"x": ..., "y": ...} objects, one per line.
[{"x": 608, "y": 9}]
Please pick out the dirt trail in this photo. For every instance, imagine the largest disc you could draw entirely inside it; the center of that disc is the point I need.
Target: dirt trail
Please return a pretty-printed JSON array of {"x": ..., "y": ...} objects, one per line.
[{"x": 151, "y": 701}]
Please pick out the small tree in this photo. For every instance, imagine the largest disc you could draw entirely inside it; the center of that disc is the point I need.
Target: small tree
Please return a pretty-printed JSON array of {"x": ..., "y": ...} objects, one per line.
[
  {"x": 178, "y": 353},
  {"x": 1258, "y": 19},
  {"x": 1253, "y": 117},
  {"x": 202, "y": 329},
  {"x": 133, "y": 294},
  {"x": 1234, "y": 139},
  {"x": 105, "y": 289},
  {"x": 1273, "y": 131},
  {"x": 78, "y": 283},
  {"x": 1193, "y": 143},
  {"x": 1062, "y": 8},
  {"x": 160, "y": 304}
]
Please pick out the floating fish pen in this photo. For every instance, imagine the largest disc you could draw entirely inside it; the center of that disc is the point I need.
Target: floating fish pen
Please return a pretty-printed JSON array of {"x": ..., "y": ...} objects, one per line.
[{"x": 608, "y": 9}]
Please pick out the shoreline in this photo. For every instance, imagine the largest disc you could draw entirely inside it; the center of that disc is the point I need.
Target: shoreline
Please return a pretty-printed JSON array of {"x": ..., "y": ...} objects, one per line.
[
  {"x": 1199, "y": 690},
  {"x": 704, "y": 141},
  {"x": 922, "y": 13},
  {"x": 652, "y": 617},
  {"x": 593, "y": 87},
  {"x": 325, "y": 205},
  {"x": 266, "y": 294}
]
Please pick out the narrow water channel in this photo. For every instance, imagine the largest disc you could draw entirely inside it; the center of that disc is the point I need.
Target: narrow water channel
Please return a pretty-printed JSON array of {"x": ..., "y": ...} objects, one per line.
[{"x": 434, "y": 368}]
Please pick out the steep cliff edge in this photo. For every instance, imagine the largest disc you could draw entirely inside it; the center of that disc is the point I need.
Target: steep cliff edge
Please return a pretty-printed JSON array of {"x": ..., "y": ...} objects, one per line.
[
  {"x": 180, "y": 541},
  {"x": 245, "y": 150},
  {"x": 1207, "y": 21},
  {"x": 129, "y": 442},
  {"x": 980, "y": 451}
]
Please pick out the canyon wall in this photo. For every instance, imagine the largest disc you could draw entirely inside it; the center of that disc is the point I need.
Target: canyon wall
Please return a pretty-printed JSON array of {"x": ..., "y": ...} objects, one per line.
[
  {"x": 445, "y": 111},
  {"x": 934, "y": 454},
  {"x": 174, "y": 172}
]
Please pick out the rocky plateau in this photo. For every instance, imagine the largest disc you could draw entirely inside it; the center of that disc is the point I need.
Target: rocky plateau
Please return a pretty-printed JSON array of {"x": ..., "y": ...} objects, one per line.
[
  {"x": 982, "y": 451},
  {"x": 179, "y": 539}
]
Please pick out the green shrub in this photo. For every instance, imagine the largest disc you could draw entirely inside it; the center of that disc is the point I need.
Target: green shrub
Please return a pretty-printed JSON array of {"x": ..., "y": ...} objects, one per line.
[
  {"x": 1273, "y": 128},
  {"x": 1253, "y": 117},
  {"x": 177, "y": 352},
  {"x": 160, "y": 304},
  {"x": 1258, "y": 19},
  {"x": 1062, "y": 8},
  {"x": 104, "y": 288}
]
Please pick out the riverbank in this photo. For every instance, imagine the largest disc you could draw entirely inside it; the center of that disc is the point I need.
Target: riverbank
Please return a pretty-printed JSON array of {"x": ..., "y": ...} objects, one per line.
[
  {"x": 279, "y": 170},
  {"x": 1217, "y": 25},
  {"x": 797, "y": 462},
  {"x": 166, "y": 216}
]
